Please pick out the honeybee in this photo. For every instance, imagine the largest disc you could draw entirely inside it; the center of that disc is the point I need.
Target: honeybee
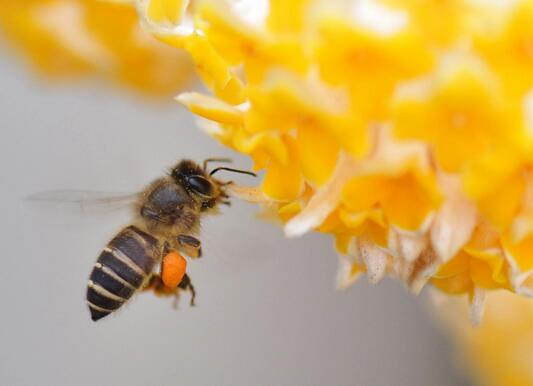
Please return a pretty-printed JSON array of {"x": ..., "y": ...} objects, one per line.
[{"x": 166, "y": 223}]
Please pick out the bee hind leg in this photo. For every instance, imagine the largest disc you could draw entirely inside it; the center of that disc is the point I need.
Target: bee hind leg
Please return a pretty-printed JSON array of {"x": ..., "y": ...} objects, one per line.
[
  {"x": 186, "y": 285},
  {"x": 160, "y": 289}
]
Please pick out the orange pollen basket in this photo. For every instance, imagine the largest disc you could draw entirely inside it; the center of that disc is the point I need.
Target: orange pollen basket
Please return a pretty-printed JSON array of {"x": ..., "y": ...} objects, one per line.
[{"x": 173, "y": 269}]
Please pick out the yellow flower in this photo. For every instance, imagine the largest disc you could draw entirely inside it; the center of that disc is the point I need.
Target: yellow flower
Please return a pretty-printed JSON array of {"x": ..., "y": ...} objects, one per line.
[
  {"x": 240, "y": 42},
  {"x": 462, "y": 114},
  {"x": 369, "y": 59},
  {"x": 442, "y": 22},
  {"x": 397, "y": 178},
  {"x": 506, "y": 44},
  {"x": 479, "y": 264},
  {"x": 401, "y": 128},
  {"x": 79, "y": 37},
  {"x": 166, "y": 11}
]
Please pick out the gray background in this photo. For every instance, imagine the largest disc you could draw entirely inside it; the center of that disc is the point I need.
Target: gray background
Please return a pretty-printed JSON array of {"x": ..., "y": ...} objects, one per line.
[{"x": 267, "y": 310}]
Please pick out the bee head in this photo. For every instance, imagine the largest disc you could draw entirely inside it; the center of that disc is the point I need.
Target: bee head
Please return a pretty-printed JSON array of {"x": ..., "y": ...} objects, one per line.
[
  {"x": 200, "y": 184},
  {"x": 196, "y": 182}
]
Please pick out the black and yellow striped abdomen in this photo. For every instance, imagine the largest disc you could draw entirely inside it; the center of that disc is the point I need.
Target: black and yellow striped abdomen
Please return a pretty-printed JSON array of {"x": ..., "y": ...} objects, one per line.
[{"x": 120, "y": 270}]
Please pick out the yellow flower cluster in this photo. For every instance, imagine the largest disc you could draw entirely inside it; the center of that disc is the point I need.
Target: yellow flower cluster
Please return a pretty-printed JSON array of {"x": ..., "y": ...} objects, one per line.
[
  {"x": 401, "y": 127},
  {"x": 500, "y": 350},
  {"x": 79, "y": 37}
]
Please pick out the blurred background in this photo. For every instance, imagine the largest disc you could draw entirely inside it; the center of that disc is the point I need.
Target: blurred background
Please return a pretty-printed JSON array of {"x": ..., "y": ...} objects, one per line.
[{"x": 267, "y": 309}]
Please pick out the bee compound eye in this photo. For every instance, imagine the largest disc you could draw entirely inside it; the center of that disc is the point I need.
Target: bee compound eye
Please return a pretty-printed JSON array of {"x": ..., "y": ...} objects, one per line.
[{"x": 200, "y": 185}]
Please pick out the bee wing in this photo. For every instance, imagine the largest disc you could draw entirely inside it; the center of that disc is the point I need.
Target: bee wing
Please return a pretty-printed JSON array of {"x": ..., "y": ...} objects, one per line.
[{"x": 84, "y": 199}]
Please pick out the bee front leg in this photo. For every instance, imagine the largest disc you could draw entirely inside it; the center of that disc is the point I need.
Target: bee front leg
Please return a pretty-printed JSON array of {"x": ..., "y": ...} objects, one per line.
[{"x": 190, "y": 245}]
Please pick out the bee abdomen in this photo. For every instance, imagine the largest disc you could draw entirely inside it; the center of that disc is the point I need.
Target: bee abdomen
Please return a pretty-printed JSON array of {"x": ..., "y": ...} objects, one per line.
[{"x": 120, "y": 270}]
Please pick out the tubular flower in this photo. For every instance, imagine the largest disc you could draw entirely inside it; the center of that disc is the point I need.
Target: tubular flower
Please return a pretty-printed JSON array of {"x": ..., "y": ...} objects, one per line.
[
  {"x": 79, "y": 37},
  {"x": 402, "y": 128}
]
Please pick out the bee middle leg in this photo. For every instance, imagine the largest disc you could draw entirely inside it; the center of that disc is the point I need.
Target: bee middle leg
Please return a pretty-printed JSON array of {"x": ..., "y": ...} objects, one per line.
[{"x": 190, "y": 245}]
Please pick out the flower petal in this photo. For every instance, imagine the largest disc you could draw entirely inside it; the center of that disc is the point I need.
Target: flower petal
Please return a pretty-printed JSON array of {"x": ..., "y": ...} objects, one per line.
[{"x": 211, "y": 108}]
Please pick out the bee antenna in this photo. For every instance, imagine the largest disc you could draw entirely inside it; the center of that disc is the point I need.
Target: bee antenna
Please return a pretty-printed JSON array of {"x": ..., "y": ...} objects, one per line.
[
  {"x": 206, "y": 161},
  {"x": 232, "y": 170}
]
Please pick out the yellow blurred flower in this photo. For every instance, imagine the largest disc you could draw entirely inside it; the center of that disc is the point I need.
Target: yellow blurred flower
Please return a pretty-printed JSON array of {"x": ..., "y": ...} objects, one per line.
[
  {"x": 500, "y": 349},
  {"x": 81, "y": 37},
  {"x": 402, "y": 128}
]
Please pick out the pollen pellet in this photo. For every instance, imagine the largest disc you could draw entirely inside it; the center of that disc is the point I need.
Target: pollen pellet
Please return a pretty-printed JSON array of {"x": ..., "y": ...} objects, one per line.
[{"x": 173, "y": 268}]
